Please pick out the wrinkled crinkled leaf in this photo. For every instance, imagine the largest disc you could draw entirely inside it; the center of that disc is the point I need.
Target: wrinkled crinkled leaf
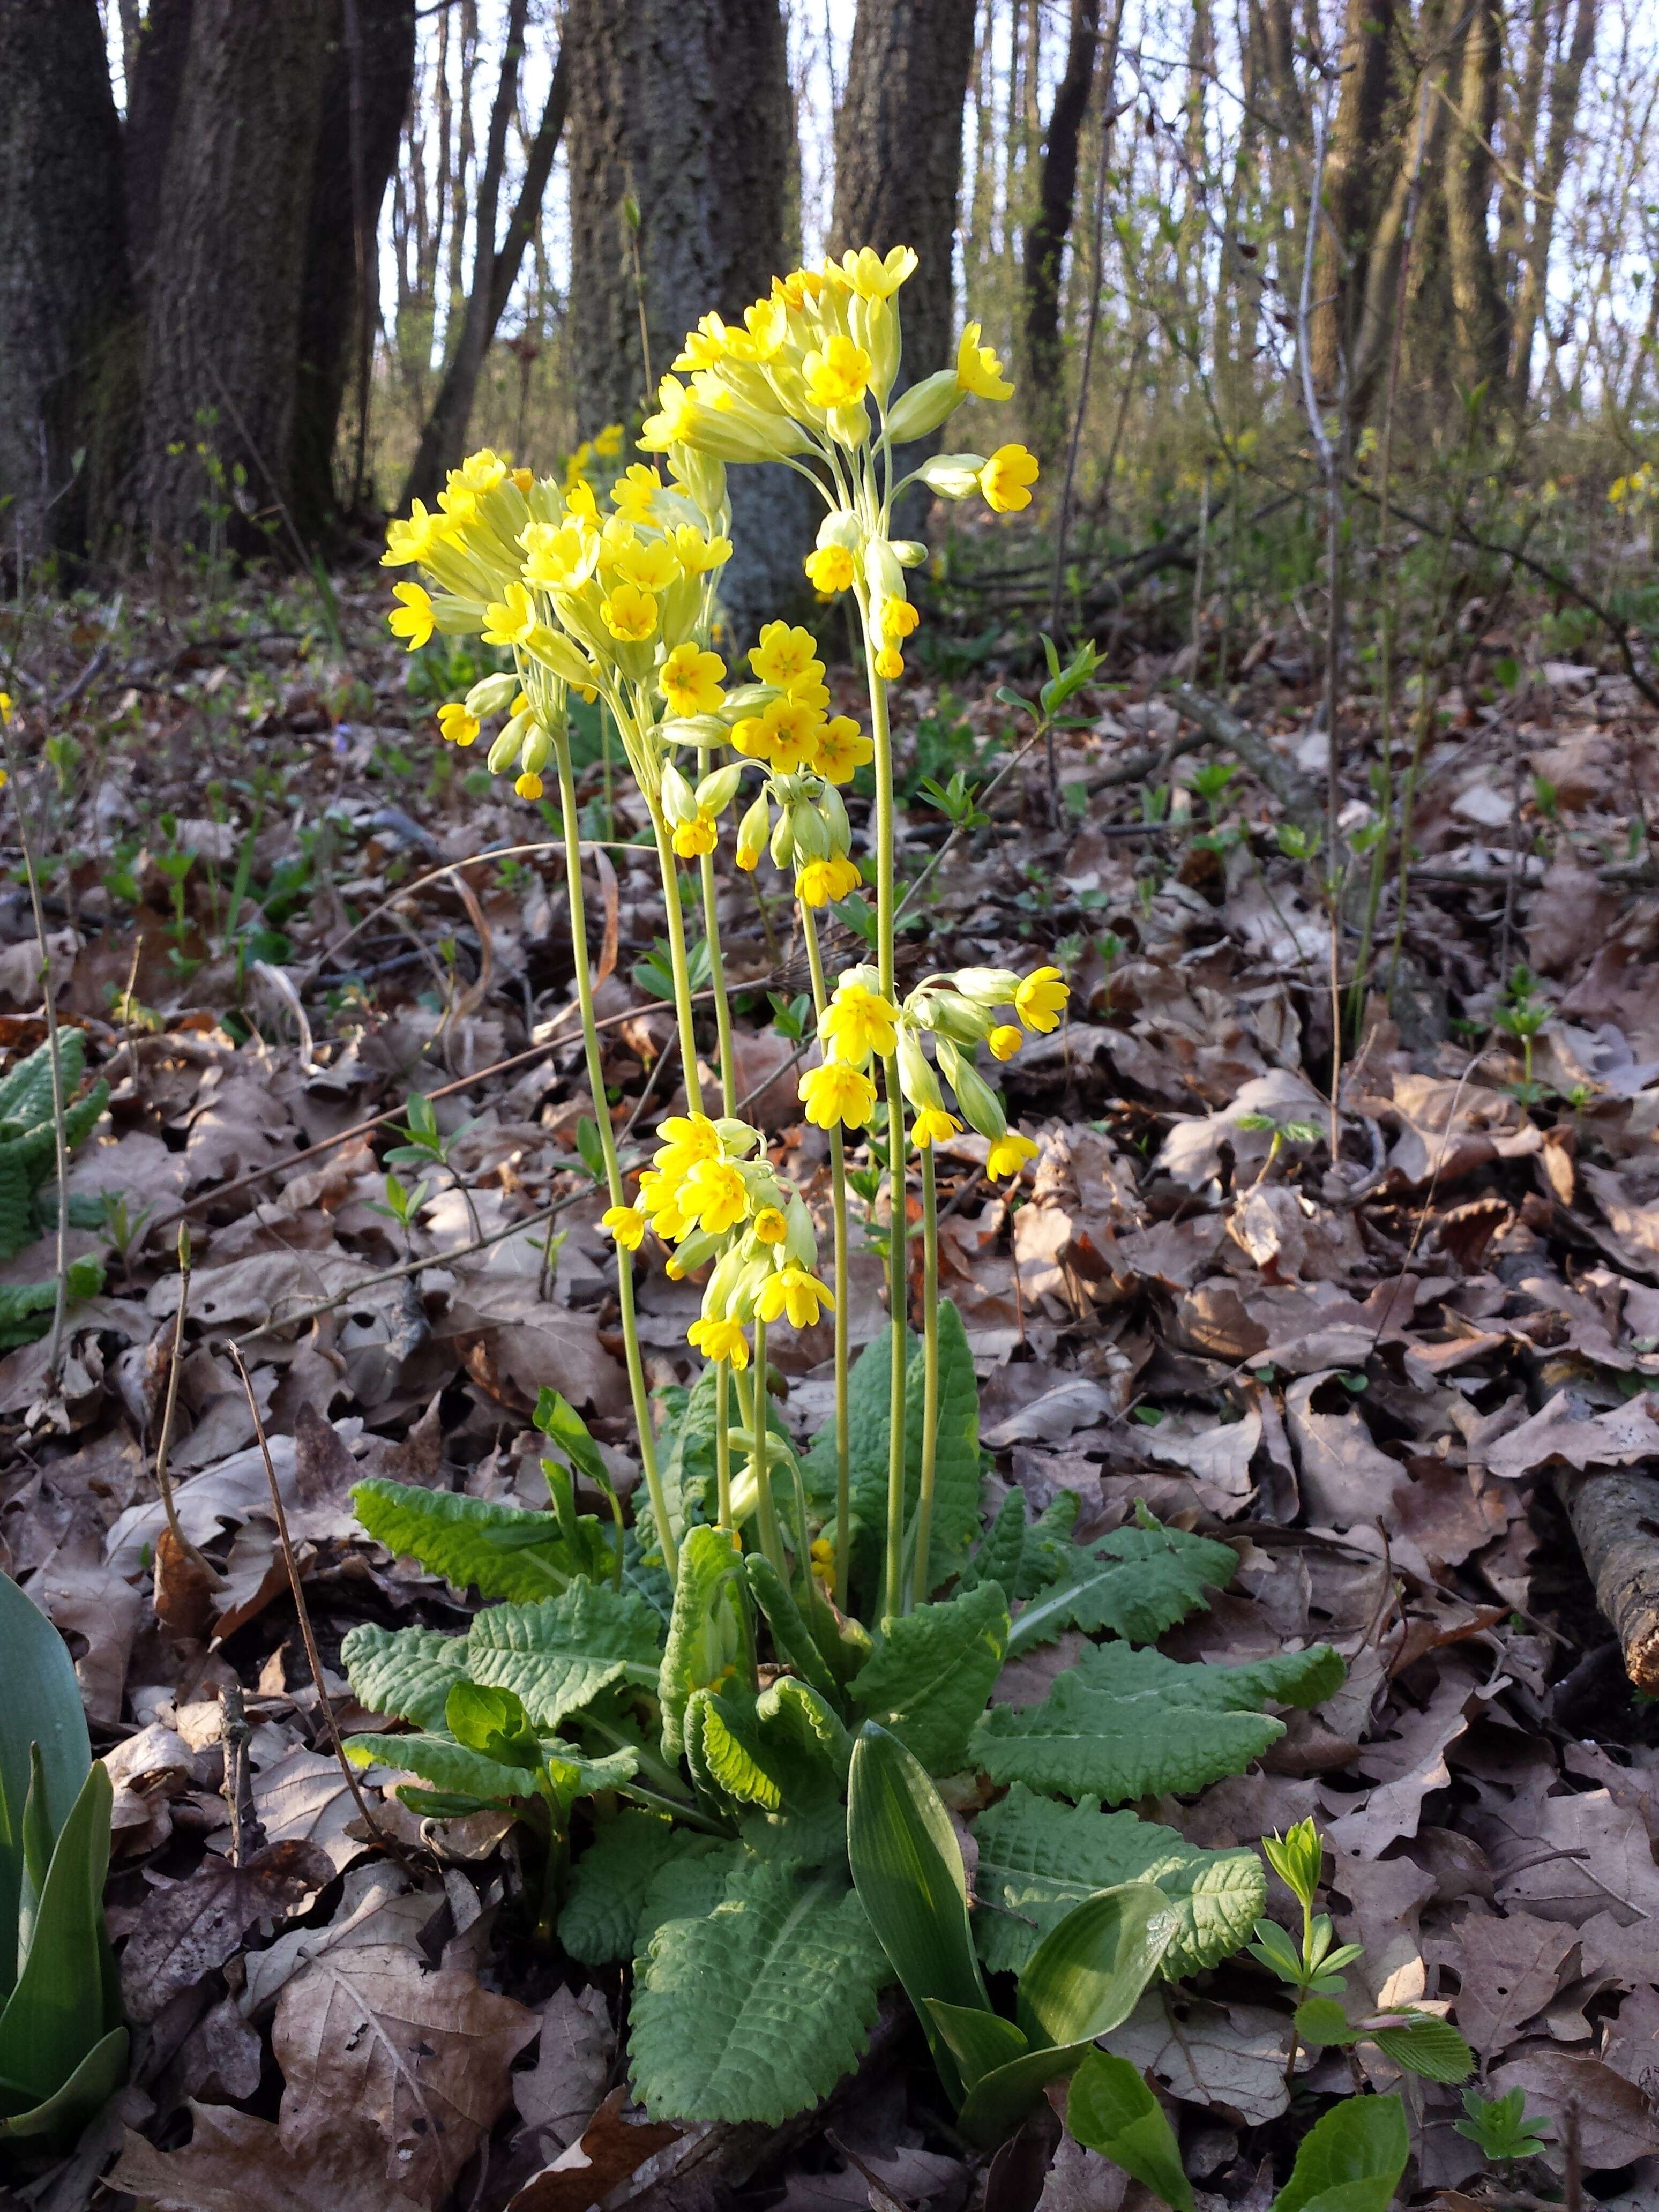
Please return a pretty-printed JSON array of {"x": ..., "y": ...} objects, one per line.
[
  {"x": 1136, "y": 1582},
  {"x": 704, "y": 1635},
  {"x": 445, "y": 1765},
  {"x": 1125, "y": 1723},
  {"x": 599, "y": 1924},
  {"x": 929, "y": 1677},
  {"x": 501, "y": 1550},
  {"x": 1038, "y": 1858},
  {"x": 406, "y": 1672},
  {"x": 558, "y": 1654}
]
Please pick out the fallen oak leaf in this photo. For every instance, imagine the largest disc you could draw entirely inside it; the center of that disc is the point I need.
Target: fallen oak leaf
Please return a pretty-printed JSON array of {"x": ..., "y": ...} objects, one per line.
[
  {"x": 186, "y": 1932},
  {"x": 609, "y": 2151},
  {"x": 235, "y": 2163}
]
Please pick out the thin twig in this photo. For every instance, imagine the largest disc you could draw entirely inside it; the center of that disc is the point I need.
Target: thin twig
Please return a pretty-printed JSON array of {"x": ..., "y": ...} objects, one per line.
[
  {"x": 246, "y": 1829},
  {"x": 164, "y": 1442}
]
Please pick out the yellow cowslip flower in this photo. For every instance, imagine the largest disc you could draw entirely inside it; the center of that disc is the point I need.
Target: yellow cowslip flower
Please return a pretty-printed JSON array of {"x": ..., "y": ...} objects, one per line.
[
  {"x": 858, "y": 1022},
  {"x": 795, "y": 1293},
  {"x": 705, "y": 347},
  {"x": 690, "y": 680},
  {"x": 1005, "y": 1040},
  {"x": 1006, "y": 479},
  {"x": 821, "y": 881},
  {"x": 842, "y": 750},
  {"x": 873, "y": 276},
  {"x": 800, "y": 289},
  {"x": 635, "y": 492},
  {"x": 455, "y": 725},
  {"x": 626, "y": 1223},
  {"x": 648, "y": 562},
  {"x": 810, "y": 691},
  {"x": 837, "y": 1094},
  {"x": 557, "y": 555},
  {"x": 510, "y": 619},
  {"x": 716, "y": 1194},
  {"x": 837, "y": 374},
  {"x": 979, "y": 368},
  {"x": 5, "y": 710},
  {"x": 1040, "y": 999},
  {"x": 766, "y": 327},
  {"x": 792, "y": 734},
  {"x": 831, "y": 569},
  {"x": 822, "y": 1553},
  {"x": 719, "y": 1340},
  {"x": 659, "y": 1198},
  {"x": 608, "y": 442},
  {"x": 629, "y": 614},
  {"x": 529, "y": 785},
  {"x": 580, "y": 502},
  {"x": 483, "y": 470},
  {"x": 685, "y": 1140},
  {"x": 575, "y": 469},
  {"x": 890, "y": 663},
  {"x": 769, "y": 1225},
  {"x": 783, "y": 653},
  {"x": 933, "y": 1125},
  {"x": 691, "y": 839},
  {"x": 1009, "y": 1154},
  {"x": 413, "y": 619},
  {"x": 697, "y": 554},
  {"x": 676, "y": 422},
  {"x": 460, "y": 503},
  {"x": 417, "y": 540},
  {"x": 521, "y": 480},
  {"x": 897, "y": 618}
]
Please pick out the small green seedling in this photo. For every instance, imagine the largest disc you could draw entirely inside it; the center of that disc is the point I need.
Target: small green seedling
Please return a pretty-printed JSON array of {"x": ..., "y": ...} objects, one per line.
[{"x": 1501, "y": 2128}]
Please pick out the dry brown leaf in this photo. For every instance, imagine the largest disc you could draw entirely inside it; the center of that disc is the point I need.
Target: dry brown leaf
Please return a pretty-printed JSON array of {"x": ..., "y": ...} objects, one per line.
[
  {"x": 1509, "y": 1967},
  {"x": 376, "y": 1906},
  {"x": 188, "y": 1931},
  {"x": 610, "y": 2149},
  {"x": 235, "y": 2163},
  {"x": 557, "y": 2095},
  {"x": 366, "y": 2038},
  {"x": 304, "y": 1797},
  {"x": 1616, "y": 2122},
  {"x": 1346, "y": 1479},
  {"x": 1618, "y": 1438},
  {"x": 1226, "y": 2055}
]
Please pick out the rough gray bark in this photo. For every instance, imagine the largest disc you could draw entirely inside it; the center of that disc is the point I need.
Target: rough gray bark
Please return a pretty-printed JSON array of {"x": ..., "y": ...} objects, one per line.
[
  {"x": 64, "y": 291},
  {"x": 1616, "y": 1516},
  {"x": 1046, "y": 241},
  {"x": 899, "y": 155},
  {"x": 227, "y": 282},
  {"x": 683, "y": 105},
  {"x": 155, "y": 75},
  {"x": 1481, "y": 332}
]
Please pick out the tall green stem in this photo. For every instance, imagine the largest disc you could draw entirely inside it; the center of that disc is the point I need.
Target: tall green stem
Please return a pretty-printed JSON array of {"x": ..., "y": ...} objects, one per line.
[
  {"x": 573, "y": 859},
  {"x": 766, "y": 1506},
  {"x": 722, "y": 1446},
  {"x": 677, "y": 959},
  {"x": 838, "y": 1204},
  {"x": 711, "y": 923},
  {"x": 918, "y": 1588}
]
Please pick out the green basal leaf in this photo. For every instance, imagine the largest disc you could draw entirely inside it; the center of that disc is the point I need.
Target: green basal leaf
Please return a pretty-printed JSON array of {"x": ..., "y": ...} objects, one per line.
[
  {"x": 1110, "y": 2109},
  {"x": 1086, "y": 1976},
  {"x": 56, "y": 2121},
  {"x": 980, "y": 2042},
  {"x": 955, "y": 1452},
  {"x": 705, "y": 1635},
  {"x": 599, "y": 1924},
  {"x": 501, "y": 1550},
  {"x": 559, "y": 1654},
  {"x": 1350, "y": 2160},
  {"x": 929, "y": 1676},
  {"x": 41, "y": 1705},
  {"x": 1037, "y": 1859},
  {"x": 405, "y": 1671},
  {"x": 791, "y": 1636},
  {"x": 1137, "y": 1581},
  {"x": 493, "y": 1722},
  {"x": 453, "y": 1768},
  {"x": 58, "y": 2010},
  {"x": 1125, "y": 1723},
  {"x": 906, "y": 1867}
]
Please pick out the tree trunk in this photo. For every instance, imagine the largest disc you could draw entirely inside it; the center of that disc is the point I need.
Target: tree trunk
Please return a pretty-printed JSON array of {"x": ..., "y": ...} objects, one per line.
[
  {"x": 1354, "y": 171},
  {"x": 1481, "y": 328},
  {"x": 1423, "y": 129},
  {"x": 63, "y": 288},
  {"x": 227, "y": 279},
  {"x": 651, "y": 120},
  {"x": 155, "y": 77},
  {"x": 899, "y": 155},
  {"x": 493, "y": 279},
  {"x": 1564, "y": 87},
  {"x": 1045, "y": 241},
  {"x": 365, "y": 98}
]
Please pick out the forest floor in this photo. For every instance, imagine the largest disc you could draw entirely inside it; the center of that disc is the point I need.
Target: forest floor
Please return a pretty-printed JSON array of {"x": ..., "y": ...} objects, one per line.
[{"x": 1364, "y": 1373}]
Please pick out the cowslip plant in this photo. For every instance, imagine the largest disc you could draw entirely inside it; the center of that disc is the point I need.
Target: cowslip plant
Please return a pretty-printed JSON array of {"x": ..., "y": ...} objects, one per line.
[
  {"x": 28, "y": 1204},
  {"x": 1501, "y": 2128},
  {"x": 63, "y": 2043}
]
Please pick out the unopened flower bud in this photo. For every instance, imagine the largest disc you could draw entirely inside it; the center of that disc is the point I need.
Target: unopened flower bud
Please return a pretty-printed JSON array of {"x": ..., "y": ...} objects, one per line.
[
  {"x": 920, "y": 411},
  {"x": 492, "y": 695},
  {"x": 952, "y": 476},
  {"x": 679, "y": 802},
  {"x": 716, "y": 792}
]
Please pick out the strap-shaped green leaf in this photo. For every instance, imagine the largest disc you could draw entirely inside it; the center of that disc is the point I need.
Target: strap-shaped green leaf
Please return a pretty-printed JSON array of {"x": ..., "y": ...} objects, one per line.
[
  {"x": 1086, "y": 1976},
  {"x": 58, "y": 2120},
  {"x": 501, "y": 1550},
  {"x": 980, "y": 2041},
  {"x": 56, "y": 2010},
  {"x": 790, "y": 1633},
  {"x": 1110, "y": 2109},
  {"x": 704, "y": 1633},
  {"x": 42, "y": 1704}
]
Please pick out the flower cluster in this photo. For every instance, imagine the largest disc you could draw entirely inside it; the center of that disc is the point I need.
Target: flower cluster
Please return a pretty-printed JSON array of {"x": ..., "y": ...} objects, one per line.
[
  {"x": 799, "y": 376},
  {"x": 957, "y": 1013},
  {"x": 712, "y": 1194}
]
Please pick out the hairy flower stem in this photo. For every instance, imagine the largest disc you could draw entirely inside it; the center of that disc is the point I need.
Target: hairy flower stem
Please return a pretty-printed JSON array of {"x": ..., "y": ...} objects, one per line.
[
  {"x": 766, "y": 1505},
  {"x": 722, "y": 1446},
  {"x": 711, "y": 923},
  {"x": 677, "y": 961},
  {"x": 881, "y": 735},
  {"x": 838, "y": 1204},
  {"x": 929, "y": 1374},
  {"x": 573, "y": 859}
]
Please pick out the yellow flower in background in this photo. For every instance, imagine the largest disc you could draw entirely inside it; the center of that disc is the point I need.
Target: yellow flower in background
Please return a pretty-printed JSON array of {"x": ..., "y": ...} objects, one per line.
[
  {"x": 413, "y": 619},
  {"x": 783, "y": 653},
  {"x": 635, "y": 492},
  {"x": 1006, "y": 479},
  {"x": 836, "y": 1093},
  {"x": 608, "y": 442},
  {"x": 838, "y": 375},
  {"x": 769, "y": 1225},
  {"x": 795, "y": 1293},
  {"x": 715, "y": 1193},
  {"x": 626, "y": 1223},
  {"x": 511, "y": 619},
  {"x": 831, "y": 569},
  {"x": 529, "y": 785},
  {"x": 933, "y": 1125},
  {"x": 842, "y": 750},
  {"x": 858, "y": 1022},
  {"x": 979, "y": 368},
  {"x": 690, "y": 680},
  {"x": 649, "y": 563},
  {"x": 1040, "y": 999},
  {"x": 455, "y": 725},
  {"x": 417, "y": 540},
  {"x": 1009, "y": 1154},
  {"x": 629, "y": 614},
  {"x": 719, "y": 1340},
  {"x": 521, "y": 480},
  {"x": 5, "y": 710},
  {"x": 873, "y": 276},
  {"x": 580, "y": 502},
  {"x": 691, "y": 839},
  {"x": 1005, "y": 1040}
]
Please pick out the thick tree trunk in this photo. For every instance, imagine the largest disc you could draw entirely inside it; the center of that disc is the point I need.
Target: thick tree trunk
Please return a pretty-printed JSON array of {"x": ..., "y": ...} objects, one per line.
[
  {"x": 1045, "y": 242},
  {"x": 1354, "y": 175},
  {"x": 1565, "y": 85},
  {"x": 365, "y": 98},
  {"x": 1481, "y": 327},
  {"x": 63, "y": 288},
  {"x": 156, "y": 77},
  {"x": 227, "y": 275},
  {"x": 651, "y": 120},
  {"x": 899, "y": 155}
]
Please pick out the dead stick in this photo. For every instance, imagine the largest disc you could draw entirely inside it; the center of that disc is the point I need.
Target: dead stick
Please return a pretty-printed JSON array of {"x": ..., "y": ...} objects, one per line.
[
  {"x": 164, "y": 1442},
  {"x": 1614, "y": 1514},
  {"x": 388, "y": 1843}
]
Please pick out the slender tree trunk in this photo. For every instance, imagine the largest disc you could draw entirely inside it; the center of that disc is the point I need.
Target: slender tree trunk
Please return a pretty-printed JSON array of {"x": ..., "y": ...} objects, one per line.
[
  {"x": 1353, "y": 177},
  {"x": 898, "y": 154},
  {"x": 492, "y": 287},
  {"x": 1045, "y": 242},
  {"x": 227, "y": 279},
  {"x": 1422, "y": 134},
  {"x": 651, "y": 121},
  {"x": 354, "y": 160},
  {"x": 1565, "y": 85},
  {"x": 1480, "y": 331},
  {"x": 64, "y": 295}
]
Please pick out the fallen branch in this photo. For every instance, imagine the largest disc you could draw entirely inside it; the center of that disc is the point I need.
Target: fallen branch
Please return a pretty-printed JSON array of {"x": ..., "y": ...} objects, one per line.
[
  {"x": 1294, "y": 794},
  {"x": 1614, "y": 1513}
]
